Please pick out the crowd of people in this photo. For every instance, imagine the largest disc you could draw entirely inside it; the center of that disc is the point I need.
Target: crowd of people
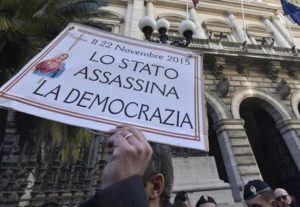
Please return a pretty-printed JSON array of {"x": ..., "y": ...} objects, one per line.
[{"x": 140, "y": 174}]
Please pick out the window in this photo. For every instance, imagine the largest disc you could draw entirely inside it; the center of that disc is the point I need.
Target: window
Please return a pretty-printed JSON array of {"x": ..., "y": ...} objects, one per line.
[
  {"x": 259, "y": 35},
  {"x": 264, "y": 41},
  {"x": 219, "y": 30},
  {"x": 107, "y": 21},
  {"x": 218, "y": 36}
]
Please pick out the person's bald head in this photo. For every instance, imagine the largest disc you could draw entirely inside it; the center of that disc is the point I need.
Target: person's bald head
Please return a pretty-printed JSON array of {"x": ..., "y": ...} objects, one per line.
[{"x": 282, "y": 197}]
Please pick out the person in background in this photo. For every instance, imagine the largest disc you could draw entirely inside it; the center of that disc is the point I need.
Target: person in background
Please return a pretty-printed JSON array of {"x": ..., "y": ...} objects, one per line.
[
  {"x": 137, "y": 175},
  {"x": 181, "y": 200},
  {"x": 284, "y": 199},
  {"x": 206, "y": 201},
  {"x": 257, "y": 193}
]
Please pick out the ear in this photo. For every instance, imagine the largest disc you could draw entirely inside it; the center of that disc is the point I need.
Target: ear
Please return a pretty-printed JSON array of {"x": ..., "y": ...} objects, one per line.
[{"x": 157, "y": 186}]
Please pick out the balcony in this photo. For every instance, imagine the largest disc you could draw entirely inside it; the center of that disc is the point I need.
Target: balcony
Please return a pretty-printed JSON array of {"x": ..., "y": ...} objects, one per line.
[{"x": 214, "y": 46}]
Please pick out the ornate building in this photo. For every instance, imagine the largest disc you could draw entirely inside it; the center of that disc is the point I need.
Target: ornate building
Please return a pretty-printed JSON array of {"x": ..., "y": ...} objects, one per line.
[{"x": 252, "y": 96}]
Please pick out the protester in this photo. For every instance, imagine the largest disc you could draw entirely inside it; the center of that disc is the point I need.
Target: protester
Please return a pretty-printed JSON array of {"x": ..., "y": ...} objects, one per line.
[
  {"x": 181, "y": 204},
  {"x": 206, "y": 201},
  {"x": 284, "y": 199},
  {"x": 182, "y": 200},
  {"x": 132, "y": 176},
  {"x": 257, "y": 193},
  {"x": 50, "y": 204}
]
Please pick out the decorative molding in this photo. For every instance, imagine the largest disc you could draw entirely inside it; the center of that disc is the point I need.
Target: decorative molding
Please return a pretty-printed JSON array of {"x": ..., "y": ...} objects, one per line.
[
  {"x": 275, "y": 103},
  {"x": 292, "y": 69},
  {"x": 218, "y": 66},
  {"x": 273, "y": 68},
  {"x": 243, "y": 67},
  {"x": 219, "y": 110},
  {"x": 295, "y": 101}
]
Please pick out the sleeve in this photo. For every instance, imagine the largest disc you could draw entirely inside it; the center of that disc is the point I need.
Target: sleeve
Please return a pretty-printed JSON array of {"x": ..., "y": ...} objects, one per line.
[{"x": 128, "y": 192}]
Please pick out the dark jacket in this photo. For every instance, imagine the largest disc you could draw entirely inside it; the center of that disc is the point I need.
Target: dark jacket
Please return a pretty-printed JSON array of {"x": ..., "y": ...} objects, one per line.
[
  {"x": 295, "y": 203},
  {"x": 128, "y": 192}
]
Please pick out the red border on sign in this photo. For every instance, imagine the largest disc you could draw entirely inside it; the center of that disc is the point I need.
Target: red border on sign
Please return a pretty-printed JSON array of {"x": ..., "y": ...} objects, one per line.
[{"x": 46, "y": 107}]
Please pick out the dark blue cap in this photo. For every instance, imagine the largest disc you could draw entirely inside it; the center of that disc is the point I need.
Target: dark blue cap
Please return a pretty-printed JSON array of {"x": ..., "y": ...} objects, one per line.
[
  {"x": 181, "y": 196},
  {"x": 254, "y": 188},
  {"x": 205, "y": 199}
]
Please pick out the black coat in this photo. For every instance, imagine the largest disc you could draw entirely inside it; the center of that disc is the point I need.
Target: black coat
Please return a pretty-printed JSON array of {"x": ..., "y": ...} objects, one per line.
[
  {"x": 295, "y": 203},
  {"x": 128, "y": 192}
]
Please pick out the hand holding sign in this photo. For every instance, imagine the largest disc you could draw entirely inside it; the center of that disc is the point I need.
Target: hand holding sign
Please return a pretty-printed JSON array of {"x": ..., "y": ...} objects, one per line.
[{"x": 130, "y": 157}]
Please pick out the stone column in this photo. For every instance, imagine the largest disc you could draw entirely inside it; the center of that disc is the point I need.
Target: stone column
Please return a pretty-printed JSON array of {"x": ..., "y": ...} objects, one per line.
[
  {"x": 233, "y": 139},
  {"x": 237, "y": 27},
  {"x": 277, "y": 36},
  {"x": 282, "y": 29},
  {"x": 137, "y": 13},
  {"x": 199, "y": 32},
  {"x": 149, "y": 11},
  {"x": 128, "y": 18},
  {"x": 230, "y": 162}
]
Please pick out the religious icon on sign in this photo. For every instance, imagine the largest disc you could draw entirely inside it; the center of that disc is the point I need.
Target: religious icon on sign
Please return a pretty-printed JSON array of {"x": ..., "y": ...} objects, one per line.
[{"x": 52, "y": 67}]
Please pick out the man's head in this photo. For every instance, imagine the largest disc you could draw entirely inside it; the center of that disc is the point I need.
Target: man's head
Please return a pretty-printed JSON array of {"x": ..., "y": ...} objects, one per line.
[
  {"x": 206, "y": 201},
  {"x": 258, "y": 194},
  {"x": 282, "y": 197},
  {"x": 181, "y": 204},
  {"x": 182, "y": 199},
  {"x": 158, "y": 177}
]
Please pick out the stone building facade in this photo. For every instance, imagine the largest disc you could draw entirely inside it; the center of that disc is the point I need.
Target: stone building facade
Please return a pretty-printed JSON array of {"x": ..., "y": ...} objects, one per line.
[{"x": 252, "y": 92}]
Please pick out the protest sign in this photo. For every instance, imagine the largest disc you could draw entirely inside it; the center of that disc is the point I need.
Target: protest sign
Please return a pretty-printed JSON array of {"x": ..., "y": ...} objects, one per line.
[{"x": 95, "y": 79}]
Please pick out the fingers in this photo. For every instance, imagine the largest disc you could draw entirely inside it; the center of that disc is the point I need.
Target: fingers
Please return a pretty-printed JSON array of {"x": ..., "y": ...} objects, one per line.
[
  {"x": 133, "y": 136},
  {"x": 116, "y": 140}
]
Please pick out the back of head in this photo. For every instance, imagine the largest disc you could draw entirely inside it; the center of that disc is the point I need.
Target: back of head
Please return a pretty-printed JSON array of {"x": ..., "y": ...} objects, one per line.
[
  {"x": 205, "y": 199},
  {"x": 280, "y": 192},
  {"x": 50, "y": 204},
  {"x": 181, "y": 196},
  {"x": 180, "y": 204},
  {"x": 161, "y": 162}
]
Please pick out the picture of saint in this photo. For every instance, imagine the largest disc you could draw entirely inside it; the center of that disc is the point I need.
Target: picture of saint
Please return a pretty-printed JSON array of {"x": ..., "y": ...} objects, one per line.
[{"x": 51, "y": 68}]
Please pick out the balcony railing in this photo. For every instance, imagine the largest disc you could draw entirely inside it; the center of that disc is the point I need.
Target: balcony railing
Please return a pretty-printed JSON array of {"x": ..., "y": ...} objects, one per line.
[{"x": 226, "y": 46}]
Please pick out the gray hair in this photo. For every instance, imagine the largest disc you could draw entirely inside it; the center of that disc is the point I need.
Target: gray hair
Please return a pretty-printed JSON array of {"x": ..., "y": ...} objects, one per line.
[{"x": 161, "y": 162}]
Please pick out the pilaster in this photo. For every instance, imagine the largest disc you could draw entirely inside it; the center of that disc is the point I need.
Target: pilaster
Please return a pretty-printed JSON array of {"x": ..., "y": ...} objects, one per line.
[
  {"x": 138, "y": 10},
  {"x": 277, "y": 36},
  {"x": 199, "y": 33},
  {"x": 237, "y": 27},
  {"x": 242, "y": 155},
  {"x": 128, "y": 19},
  {"x": 282, "y": 29}
]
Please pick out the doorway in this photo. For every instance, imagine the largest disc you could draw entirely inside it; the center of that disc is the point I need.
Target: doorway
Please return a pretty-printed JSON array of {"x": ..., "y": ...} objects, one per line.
[{"x": 275, "y": 162}]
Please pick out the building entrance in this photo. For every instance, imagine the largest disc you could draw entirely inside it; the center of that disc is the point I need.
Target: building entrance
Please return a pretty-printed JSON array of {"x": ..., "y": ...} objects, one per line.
[{"x": 272, "y": 155}]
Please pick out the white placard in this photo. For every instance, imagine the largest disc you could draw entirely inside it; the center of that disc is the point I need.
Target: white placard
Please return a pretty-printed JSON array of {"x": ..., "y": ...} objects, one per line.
[{"x": 94, "y": 79}]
